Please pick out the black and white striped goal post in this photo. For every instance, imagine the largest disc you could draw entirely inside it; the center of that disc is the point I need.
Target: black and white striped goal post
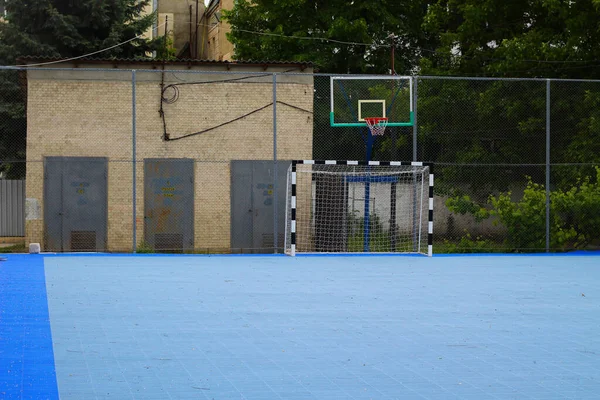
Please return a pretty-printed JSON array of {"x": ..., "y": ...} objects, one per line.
[{"x": 344, "y": 206}]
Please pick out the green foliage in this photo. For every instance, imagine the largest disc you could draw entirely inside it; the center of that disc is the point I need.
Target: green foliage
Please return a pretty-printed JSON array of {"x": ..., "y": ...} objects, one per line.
[
  {"x": 59, "y": 28},
  {"x": 462, "y": 122},
  {"x": 574, "y": 216},
  {"x": 579, "y": 210},
  {"x": 13, "y": 125},
  {"x": 378, "y": 242},
  {"x": 379, "y": 238},
  {"x": 66, "y": 28},
  {"x": 514, "y": 38},
  {"x": 525, "y": 219},
  {"x": 468, "y": 244},
  {"x": 475, "y": 122},
  {"x": 15, "y": 248},
  {"x": 165, "y": 49},
  {"x": 441, "y": 37},
  {"x": 144, "y": 248},
  {"x": 359, "y": 22},
  {"x": 483, "y": 123},
  {"x": 464, "y": 205}
]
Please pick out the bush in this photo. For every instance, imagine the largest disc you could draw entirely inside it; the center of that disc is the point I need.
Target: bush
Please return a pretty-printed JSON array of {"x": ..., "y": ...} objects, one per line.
[
  {"x": 468, "y": 244},
  {"x": 578, "y": 208},
  {"x": 574, "y": 215},
  {"x": 144, "y": 248}
]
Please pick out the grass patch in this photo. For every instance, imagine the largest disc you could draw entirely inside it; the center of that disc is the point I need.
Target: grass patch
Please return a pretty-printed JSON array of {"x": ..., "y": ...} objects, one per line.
[
  {"x": 15, "y": 248},
  {"x": 469, "y": 245},
  {"x": 379, "y": 242}
]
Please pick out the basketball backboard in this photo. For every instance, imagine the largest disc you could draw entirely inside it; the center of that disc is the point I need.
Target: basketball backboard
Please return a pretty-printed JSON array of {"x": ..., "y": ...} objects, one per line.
[{"x": 354, "y": 98}]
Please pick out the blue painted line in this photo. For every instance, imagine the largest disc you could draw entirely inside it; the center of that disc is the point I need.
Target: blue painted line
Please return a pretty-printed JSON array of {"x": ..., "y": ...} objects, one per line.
[
  {"x": 577, "y": 253},
  {"x": 343, "y": 255},
  {"x": 154, "y": 255},
  {"x": 27, "y": 368}
]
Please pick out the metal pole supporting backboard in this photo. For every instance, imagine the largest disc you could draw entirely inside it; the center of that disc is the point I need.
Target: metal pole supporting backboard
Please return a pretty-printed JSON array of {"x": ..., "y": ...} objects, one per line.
[
  {"x": 275, "y": 197},
  {"x": 414, "y": 156},
  {"x": 548, "y": 165},
  {"x": 414, "y": 102}
]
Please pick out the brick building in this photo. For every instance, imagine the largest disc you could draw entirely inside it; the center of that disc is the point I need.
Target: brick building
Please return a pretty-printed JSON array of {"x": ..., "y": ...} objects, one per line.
[
  {"x": 80, "y": 149},
  {"x": 197, "y": 31},
  {"x": 182, "y": 21},
  {"x": 217, "y": 45}
]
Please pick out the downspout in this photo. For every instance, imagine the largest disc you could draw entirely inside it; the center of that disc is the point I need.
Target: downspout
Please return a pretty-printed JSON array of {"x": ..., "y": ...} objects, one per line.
[
  {"x": 155, "y": 25},
  {"x": 196, "y": 39}
]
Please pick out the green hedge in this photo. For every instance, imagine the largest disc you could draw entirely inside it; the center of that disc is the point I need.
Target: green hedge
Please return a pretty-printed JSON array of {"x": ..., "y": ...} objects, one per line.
[{"x": 574, "y": 216}]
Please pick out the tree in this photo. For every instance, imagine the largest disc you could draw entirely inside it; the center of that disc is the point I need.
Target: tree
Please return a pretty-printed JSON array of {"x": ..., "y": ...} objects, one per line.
[
  {"x": 269, "y": 29},
  {"x": 536, "y": 38},
  {"x": 59, "y": 29},
  {"x": 64, "y": 28},
  {"x": 368, "y": 24},
  {"x": 504, "y": 121}
]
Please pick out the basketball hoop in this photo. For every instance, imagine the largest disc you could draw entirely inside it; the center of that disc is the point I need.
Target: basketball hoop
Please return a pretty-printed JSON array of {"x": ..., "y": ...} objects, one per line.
[{"x": 377, "y": 125}]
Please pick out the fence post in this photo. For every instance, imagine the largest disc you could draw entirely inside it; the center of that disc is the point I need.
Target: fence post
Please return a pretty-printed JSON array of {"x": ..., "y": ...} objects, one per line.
[
  {"x": 275, "y": 197},
  {"x": 414, "y": 100},
  {"x": 133, "y": 163},
  {"x": 547, "y": 165},
  {"x": 414, "y": 158}
]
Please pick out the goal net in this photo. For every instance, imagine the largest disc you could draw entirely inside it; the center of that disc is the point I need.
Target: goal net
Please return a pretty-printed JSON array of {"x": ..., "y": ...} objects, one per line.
[{"x": 359, "y": 207}]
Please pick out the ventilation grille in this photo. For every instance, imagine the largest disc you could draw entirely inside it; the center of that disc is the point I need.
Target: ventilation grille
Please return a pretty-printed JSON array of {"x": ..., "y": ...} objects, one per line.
[
  {"x": 267, "y": 242},
  {"x": 168, "y": 242},
  {"x": 83, "y": 240}
]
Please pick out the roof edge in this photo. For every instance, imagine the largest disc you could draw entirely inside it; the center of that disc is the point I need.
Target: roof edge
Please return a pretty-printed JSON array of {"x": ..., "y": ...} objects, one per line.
[{"x": 25, "y": 60}]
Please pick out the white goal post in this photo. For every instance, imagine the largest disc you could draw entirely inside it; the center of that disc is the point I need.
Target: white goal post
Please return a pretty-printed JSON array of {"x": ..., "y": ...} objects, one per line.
[{"x": 341, "y": 206}]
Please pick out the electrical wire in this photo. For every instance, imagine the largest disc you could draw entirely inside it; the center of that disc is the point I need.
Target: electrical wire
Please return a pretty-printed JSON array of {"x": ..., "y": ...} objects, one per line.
[
  {"x": 315, "y": 38},
  {"x": 175, "y": 86},
  {"x": 399, "y": 46},
  {"x": 322, "y": 39},
  {"x": 237, "y": 119},
  {"x": 87, "y": 55}
]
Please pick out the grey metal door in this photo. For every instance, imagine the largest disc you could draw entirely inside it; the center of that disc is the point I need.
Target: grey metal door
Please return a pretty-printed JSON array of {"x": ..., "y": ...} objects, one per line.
[
  {"x": 53, "y": 206},
  {"x": 242, "y": 213},
  {"x": 253, "y": 202},
  {"x": 169, "y": 204},
  {"x": 75, "y": 203}
]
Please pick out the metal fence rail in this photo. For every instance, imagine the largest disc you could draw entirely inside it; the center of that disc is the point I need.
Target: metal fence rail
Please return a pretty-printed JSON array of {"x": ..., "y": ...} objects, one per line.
[{"x": 515, "y": 158}]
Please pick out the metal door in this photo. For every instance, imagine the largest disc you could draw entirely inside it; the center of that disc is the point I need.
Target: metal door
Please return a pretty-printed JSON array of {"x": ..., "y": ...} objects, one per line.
[
  {"x": 242, "y": 213},
  {"x": 75, "y": 203},
  {"x": 169, "y": 204},
  {"x": 252, "y": 205}
]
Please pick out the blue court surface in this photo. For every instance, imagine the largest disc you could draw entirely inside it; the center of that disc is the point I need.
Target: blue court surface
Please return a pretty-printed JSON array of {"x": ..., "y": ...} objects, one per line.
[{"x": 276, "y": 327}]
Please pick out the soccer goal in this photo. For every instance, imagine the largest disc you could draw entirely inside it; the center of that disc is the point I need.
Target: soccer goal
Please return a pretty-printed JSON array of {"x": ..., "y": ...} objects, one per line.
[{"x": 359, "y": 207}]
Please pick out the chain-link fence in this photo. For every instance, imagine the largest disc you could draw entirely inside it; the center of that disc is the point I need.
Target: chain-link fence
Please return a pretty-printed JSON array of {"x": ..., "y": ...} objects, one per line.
[{"x": 166, "y": 160}]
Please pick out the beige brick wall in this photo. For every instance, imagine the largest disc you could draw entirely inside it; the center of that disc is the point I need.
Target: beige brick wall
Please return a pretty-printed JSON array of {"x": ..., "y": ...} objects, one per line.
[{"x": 83, "y": 113}]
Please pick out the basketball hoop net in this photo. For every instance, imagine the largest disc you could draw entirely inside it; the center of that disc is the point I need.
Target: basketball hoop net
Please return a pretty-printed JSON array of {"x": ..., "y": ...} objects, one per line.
[{"x": 377, "y": 125}]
